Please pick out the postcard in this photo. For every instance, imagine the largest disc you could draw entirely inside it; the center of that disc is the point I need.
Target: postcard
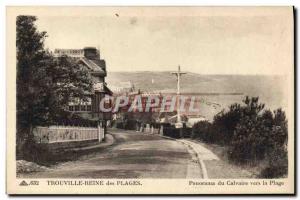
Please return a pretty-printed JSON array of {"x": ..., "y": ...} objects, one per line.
[{"x": 150, "y": 100}]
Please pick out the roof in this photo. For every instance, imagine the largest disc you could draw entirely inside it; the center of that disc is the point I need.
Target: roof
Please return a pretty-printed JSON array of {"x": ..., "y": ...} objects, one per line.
[
  {"x": 97, "y": 66},
  {"x": 99, "y": 62},
  {"x": 107, "y": 90},
  {"x": 102, "y": 87}
]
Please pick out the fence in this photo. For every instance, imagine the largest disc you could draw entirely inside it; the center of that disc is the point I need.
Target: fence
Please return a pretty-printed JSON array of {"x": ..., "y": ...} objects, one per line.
[
  {"x": 147, "y": 128},
  {"x": 53, "y": 134}
]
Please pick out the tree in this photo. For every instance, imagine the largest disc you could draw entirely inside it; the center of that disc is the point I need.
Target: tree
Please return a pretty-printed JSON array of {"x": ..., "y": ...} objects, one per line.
[
  {"x": 65, "y": 80},
  {"x": 280, "y": 128},
  {"x": 277, "y": 147},
  {"x": 30, "y": 58},
  {"x": 225, "y": 123},
  {"x": 45, "y": 85},
  {"x": 250, "y": 135},
  {"x": 261, "y": 135},
  {"x": 202, "y": 130}
]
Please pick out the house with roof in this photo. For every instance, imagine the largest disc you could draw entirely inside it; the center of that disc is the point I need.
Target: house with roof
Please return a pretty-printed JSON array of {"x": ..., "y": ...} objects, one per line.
[{"x": 89, "y": 57}]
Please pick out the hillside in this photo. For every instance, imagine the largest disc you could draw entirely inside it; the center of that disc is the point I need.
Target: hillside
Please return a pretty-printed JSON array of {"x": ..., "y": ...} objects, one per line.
[{"x": 268, "y": 88}]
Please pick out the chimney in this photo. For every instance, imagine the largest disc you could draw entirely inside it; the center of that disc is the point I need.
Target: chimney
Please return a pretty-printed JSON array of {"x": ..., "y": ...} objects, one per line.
[{"x": 91, "y": 53}]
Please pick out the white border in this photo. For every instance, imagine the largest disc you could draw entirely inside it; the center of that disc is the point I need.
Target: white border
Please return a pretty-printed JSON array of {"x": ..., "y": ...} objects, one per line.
[{"x": 4, "y": 3}]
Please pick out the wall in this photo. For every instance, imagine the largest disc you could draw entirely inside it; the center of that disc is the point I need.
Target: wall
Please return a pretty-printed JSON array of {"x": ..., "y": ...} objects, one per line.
[{"x": 59, "y": 134}]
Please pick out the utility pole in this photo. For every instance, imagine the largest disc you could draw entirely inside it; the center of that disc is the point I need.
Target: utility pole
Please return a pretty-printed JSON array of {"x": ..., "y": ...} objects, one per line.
[{"x": 178, "y": 73}]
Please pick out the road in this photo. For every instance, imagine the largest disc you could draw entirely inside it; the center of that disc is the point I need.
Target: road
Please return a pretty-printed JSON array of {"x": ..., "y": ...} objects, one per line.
[{"x": 134, "y": 155}]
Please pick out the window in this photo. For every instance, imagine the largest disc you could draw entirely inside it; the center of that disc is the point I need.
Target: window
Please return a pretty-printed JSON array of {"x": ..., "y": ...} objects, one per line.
[
  {"x": 71, "y": 108},
  {"x": 82, "y": 108},
  {"x": 89, "y": 108},
  {"x": 77, "y": 108}
]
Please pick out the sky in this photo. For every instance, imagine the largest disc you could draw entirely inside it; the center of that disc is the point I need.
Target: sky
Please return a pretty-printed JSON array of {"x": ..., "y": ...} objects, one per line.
[{"x": 204, "y": 41}]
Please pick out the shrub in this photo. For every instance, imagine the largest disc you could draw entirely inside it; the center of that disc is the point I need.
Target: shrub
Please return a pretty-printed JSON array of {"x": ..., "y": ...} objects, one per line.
[
  {"x": 202, "y": 130},
  {"x": 277, "y": 165},
  {"x": 250, "y": 142},
  {"x": 262, "y": 136},
  {"x": 277, "y": 152},
  {"x": 224, "y": 124},
  {"x": 250, "y": 135},
  {"x": 37, "y": 153}
]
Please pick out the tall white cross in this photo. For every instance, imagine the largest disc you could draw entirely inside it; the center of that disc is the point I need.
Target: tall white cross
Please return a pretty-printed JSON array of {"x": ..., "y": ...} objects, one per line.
[{"x": 178, "y": 74}]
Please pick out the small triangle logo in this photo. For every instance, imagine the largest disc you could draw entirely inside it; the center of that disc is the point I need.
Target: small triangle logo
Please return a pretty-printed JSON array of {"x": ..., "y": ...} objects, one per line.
[{"x": 23, "y": 183}]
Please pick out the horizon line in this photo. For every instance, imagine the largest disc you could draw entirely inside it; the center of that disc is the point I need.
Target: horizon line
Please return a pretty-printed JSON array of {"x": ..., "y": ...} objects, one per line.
[{"x": 169, "y": 71}]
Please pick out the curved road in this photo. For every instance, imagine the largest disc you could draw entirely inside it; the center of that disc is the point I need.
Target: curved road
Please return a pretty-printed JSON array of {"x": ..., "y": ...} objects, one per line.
[{"x": 134, "y": 155}]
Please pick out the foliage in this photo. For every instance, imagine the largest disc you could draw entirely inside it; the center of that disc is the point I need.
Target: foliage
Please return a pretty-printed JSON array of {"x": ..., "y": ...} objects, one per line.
[
  {"x": 202, "y": 130},
  {"x": 277, "y": 164},
  {"x": 224, "y": 124},
  {"x": 45, "y": 84},
  {"x": 251, "y": 133},
  {"x": 277, "y": 154},
  {"x": 258, "y": 135},
  {"x": 64, "y": 80},
  {"x": 31, "y": 56}
]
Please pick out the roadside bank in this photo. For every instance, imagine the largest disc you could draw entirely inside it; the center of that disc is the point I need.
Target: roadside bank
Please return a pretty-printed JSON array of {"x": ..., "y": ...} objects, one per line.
[{"x": 47, "y": 158}]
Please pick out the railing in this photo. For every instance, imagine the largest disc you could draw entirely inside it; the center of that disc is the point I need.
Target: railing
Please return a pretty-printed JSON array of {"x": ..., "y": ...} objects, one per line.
[{"x": 53, "y": 134}]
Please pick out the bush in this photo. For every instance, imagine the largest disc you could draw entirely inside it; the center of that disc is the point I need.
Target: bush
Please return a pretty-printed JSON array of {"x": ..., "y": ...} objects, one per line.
[
  {"x": 249, "y": 144},
  {"x": 37, "y": 153},
  {"x": 277, "y": 153},
  {"x": 171, "y": 131},
  {"x": 251, "y": 133},
  {"x": 202, "y": 130},
  {"x": 224, "y": 124},
  {"x": 222, "y": 128},
  {"x": 71, "y": 119},
  {"x": 278, "y": 164}
]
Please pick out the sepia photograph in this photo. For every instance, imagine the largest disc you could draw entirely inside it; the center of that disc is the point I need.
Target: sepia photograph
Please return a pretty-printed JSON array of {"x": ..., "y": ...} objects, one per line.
[{"x": 150, "y": 100}]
